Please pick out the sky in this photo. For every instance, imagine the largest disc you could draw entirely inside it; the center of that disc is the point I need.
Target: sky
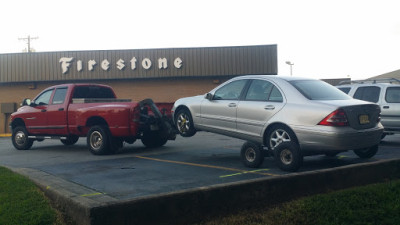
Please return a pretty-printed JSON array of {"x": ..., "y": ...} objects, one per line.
[{"x": 323, "y": 39}]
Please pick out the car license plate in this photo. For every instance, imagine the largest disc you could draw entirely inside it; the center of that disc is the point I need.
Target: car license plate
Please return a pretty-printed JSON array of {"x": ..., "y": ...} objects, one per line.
[{"x": 364, "y": 119}]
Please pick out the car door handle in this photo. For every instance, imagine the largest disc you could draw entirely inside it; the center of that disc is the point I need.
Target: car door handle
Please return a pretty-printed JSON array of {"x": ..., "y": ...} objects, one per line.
[
  {"x": 386, "y": 107},
  {"x": 61, "y": 109},
  {"x": 269, "y": 107},
  {"x": 232, "y": 105},
  {"x": 43, "y": 110}
]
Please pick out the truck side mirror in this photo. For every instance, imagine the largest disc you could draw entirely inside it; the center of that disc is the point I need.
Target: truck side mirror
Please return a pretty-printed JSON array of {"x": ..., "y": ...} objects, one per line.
[
  {"x": 209, "y": 96},
  {"x": 26, "y": 101}
]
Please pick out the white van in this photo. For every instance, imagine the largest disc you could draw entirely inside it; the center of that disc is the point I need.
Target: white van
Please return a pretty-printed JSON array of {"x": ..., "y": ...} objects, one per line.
[{"x": 386, "y": 93}]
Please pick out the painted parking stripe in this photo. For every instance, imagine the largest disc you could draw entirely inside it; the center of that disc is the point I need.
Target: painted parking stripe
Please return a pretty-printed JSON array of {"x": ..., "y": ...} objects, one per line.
[
  {"x": 92, "y": 194},
  {"x": 204, "y": 165},
  {"x": 237, "y": 174}
]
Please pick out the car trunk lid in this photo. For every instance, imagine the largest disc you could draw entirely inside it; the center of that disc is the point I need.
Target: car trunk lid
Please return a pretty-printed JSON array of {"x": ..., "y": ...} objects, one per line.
[{"x": 363, "y": 116}]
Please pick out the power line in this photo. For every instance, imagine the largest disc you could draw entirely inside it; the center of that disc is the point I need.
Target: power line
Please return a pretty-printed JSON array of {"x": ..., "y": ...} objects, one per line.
[{"x": 28, "y": 41}]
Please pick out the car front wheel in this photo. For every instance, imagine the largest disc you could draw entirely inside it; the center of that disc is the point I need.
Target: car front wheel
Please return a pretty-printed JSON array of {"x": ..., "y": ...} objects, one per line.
[{"x": 184, "y": 123}]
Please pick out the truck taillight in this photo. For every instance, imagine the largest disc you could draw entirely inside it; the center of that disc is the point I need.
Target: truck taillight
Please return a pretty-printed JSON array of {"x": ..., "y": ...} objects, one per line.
[{"x": 337, "y": 118}]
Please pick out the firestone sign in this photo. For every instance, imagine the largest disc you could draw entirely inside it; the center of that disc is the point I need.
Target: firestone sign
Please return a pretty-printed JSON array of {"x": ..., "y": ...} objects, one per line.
[{"x": 162, "y": 63}]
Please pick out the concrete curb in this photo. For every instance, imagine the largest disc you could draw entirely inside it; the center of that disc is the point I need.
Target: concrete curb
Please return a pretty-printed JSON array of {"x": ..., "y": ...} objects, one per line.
[{"x": 184, "y": 207}]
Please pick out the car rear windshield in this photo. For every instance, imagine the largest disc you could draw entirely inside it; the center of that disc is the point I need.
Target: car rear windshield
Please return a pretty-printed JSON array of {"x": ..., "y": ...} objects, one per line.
[{"x": 318, "y": 90}]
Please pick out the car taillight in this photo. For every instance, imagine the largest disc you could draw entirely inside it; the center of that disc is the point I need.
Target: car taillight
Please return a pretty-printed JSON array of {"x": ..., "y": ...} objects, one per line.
[{"x": 337, "y": 118}]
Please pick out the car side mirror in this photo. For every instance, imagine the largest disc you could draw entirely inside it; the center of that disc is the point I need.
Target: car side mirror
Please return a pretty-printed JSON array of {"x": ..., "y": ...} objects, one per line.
[
  {"x": 27, "y": 102},
  {"x": 209, "y": 96}
]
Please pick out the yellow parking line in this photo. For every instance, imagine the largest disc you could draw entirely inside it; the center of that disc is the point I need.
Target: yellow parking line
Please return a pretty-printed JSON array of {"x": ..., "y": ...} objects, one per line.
[
  {"x": 237, "y": 174},
  {"x": 92, "y": 194},
  {"x": 203, "y": 165}
]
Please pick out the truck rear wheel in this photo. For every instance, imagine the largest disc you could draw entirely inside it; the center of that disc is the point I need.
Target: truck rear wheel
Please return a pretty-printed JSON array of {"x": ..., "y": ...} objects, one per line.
[
  {"x": 98, "y": 140},
  {"x": 154, "y": 139},
  {"x": 20, "y": 138},
  {"x": 70, "y": 140}
]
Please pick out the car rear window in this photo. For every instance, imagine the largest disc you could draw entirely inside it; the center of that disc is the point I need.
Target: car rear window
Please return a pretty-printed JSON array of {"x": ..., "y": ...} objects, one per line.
[{"x": 319, "y": 90}]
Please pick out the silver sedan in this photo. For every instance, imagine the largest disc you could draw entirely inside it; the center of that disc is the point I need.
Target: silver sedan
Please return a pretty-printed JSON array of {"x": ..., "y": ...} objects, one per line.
[{"x": 287, "y": 117}]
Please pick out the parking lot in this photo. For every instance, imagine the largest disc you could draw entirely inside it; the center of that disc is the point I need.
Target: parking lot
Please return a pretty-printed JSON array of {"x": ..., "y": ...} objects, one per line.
[{"x": 203, "y": 160}]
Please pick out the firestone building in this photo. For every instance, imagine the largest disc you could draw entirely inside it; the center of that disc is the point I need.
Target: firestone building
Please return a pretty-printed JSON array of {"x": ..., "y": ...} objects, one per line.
[{"x": 161, "y": 74}]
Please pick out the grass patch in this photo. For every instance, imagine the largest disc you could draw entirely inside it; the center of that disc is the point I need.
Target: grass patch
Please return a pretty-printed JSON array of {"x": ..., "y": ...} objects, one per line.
[
  {"x": 21, "y": 202},
  {"x": 372, "y": 204}
]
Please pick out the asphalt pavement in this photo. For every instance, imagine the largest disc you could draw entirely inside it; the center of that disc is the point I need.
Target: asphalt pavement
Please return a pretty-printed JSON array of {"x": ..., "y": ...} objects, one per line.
[{"x": 203, "y": 160}]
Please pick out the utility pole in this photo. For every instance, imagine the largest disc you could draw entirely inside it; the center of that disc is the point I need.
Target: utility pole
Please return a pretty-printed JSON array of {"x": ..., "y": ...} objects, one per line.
[{"x": 28, "y": 40}]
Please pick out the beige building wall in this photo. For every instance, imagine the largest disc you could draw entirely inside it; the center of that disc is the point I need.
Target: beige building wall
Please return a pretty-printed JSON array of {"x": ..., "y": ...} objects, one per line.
[{"x": 160, "y": 90}]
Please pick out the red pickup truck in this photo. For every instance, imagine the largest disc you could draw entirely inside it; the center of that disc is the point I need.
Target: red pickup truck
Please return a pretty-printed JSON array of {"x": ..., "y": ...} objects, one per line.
[{"x": 70, "y": 111}]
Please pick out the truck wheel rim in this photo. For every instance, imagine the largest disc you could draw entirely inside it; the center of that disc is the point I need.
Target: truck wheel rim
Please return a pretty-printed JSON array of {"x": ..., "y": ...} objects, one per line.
[
  {"x": 96, "y": 140},
  {"x": 183, "y": 123},
  {"x": 250, "y": 155},
  {"x": 286, "y": 157},
  {"x": 20, "y": 138},
  {"x": 278, "y": 137}
]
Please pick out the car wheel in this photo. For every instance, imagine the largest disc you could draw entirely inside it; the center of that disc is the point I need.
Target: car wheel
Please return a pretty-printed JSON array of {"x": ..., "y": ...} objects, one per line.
[
  {"x": 277, "y": 135},
  {"x": 251, "y": 155},
  {"x": 288, "y": 156},
  {"x": 98, "y": 140},
  {"x": 184, "y": 123},
  {"x": 153, "y": 139},
  {"x": 366, "y": 153},
  {"x": 20, "y": 138},
  {"x": 70, "y": 140}
]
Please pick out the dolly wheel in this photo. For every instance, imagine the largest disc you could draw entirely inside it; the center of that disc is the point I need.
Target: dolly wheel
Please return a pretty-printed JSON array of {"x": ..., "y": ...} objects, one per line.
[{"x": 252, "y": 155}]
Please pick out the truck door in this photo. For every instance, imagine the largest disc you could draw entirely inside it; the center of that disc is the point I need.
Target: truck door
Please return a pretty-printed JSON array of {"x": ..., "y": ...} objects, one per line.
[
  {"x": 36, "y": 120},
  {"x": 57, "y": 112}
]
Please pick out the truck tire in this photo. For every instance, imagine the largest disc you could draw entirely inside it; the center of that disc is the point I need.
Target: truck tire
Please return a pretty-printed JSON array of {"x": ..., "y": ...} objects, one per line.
[
  {"x": 115, "y": 144},
  {"x": 20, "y": 138},
  {"x": 153, "y": 139},
  {"x": 70, "y": 140},
  {"x": 252, "y": 155},
  {"x": 184, "y": 123},
  {"x": 288, "y": 156},
  {"x": 366, "y": 153},
  {"x": 98, "y": 140}
]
